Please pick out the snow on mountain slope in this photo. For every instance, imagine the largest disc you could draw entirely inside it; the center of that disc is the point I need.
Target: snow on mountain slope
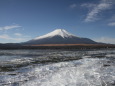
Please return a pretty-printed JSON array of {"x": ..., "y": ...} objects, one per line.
[
  {"x": 60, "y": 36},
  {"x": 58, "y": 32}
]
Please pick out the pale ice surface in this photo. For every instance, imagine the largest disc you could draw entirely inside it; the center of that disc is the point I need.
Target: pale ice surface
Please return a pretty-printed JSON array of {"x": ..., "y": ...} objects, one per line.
[
  {"x": 96, "y": 68},
  {"x": 58, "y": 32},
  {"x": 76, "y": 73}
]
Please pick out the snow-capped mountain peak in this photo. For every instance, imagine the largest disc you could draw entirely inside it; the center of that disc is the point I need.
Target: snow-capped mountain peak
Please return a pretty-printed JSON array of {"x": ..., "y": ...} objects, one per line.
[
  {"x": 60, "y": 36},
  {"x": 58, "y": 32}
]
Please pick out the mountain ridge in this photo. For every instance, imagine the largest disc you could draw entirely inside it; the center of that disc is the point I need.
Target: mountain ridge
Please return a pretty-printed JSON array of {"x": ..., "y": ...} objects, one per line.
[{"x": 60, "y": 36}]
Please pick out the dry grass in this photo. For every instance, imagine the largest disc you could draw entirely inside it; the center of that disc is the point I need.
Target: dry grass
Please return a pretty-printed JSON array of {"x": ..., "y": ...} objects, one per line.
[{"x": 72, "y": 45}]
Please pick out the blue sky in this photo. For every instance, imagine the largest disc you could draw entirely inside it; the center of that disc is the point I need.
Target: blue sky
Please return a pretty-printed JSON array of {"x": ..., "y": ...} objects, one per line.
[{"x": 22, "y": 20}]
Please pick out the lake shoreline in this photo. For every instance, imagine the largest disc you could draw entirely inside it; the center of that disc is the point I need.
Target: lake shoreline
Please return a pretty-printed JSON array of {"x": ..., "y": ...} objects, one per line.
[{"x": 58, "y": 46}]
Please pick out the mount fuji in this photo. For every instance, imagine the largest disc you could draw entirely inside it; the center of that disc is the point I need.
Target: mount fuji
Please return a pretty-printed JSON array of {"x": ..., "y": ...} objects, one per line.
[{"x": 60, "y": 36}]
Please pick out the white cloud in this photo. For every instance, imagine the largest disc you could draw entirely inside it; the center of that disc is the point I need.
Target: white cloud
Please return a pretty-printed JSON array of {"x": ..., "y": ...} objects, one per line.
[
  {"x": 73, "y": 6},
  {"x": 105, "y": 40},
  {"x": 112, "y": 24},
  {"x": 88, "y": 5},
  {"x": 12, "y": 38},
  {"x": 9, "y": 27},
  {"x": 17, "y": 34},
  {"x": 93, "y": 14},
  {"x": 8, "y": 38},
  {"x": 4, "y": 36}
]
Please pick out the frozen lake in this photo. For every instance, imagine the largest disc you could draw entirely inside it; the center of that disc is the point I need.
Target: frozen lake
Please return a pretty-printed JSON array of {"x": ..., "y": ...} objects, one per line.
[{"x": 57, "y": 67}]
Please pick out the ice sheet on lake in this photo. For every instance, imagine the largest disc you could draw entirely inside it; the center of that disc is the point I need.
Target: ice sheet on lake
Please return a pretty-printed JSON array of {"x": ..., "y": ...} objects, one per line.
[
  {"x": 85, "y": 72},
  {"x": 82, "y": 72}
]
